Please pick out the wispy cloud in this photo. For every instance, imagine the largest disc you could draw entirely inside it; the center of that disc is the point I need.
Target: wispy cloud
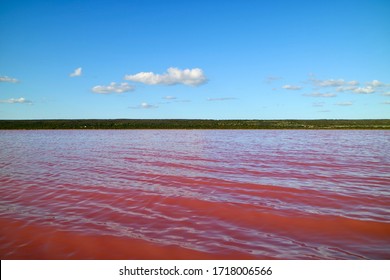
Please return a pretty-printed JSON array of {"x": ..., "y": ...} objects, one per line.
[
  {"x": 183, "y": 101},
  {"x": 271, "y": 79},
  {"x": 348, "y": 103},
  {"x": 16, "y": 100},
  {"x": 6, "y": 79},
  {"x": 113, "y": 88},
  {"x": 320, "y": 94},
  {"x": 173, "y": 99},
  {"x": 386, "y": 102},
  {"x": 291, "y": 87},
  {"x": 221, "y": 98},
  {"x": 173, "y": 76},
  {"x": 318, "y": 104},
  {"x": 169, "y": 97},
  {"x": 144, "y": 105},
  {"x": 76, "y": 73}
]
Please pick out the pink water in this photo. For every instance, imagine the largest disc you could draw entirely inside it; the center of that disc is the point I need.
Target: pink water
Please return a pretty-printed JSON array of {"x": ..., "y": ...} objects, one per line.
[{"x": 194, "y": 194}]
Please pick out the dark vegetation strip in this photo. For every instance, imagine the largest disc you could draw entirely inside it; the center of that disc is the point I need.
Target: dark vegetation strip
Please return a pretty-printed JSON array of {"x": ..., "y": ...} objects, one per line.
[{"x": 193, "y": 124}]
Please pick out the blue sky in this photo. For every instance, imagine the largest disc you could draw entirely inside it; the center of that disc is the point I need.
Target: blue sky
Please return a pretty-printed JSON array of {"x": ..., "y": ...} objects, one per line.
[{"x": 194, "y": 59}]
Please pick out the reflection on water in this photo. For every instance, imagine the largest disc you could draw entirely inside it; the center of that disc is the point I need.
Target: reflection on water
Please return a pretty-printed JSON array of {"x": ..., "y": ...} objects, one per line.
[{"x": 194, "y": 194}]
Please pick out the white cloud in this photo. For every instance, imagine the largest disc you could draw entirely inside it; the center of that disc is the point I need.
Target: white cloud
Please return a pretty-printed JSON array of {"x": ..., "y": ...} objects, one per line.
[
  {"x": 330, "y": 83},
  {"x": 351, "y": 86},
  {"x": 7, "y": 79},
  {"x": 354, "y": 89},
  {"x": 319, "y": 94},
  {"x": 353, "y": 83},
  {"x": 375, "y": 83},
  {"x": 364, "y": 90},
  {"x": 291, "y": 87},
  {"x": 113, "y": 88},
  {"x": 334, "y": 83},
  {"x": 386, "y": 102},
  {"x": 144, "y": 105},
  {"x": 173, "y": 76},
  {"x": 221, "y": 98},
  {"x": 76, "y": 73},
  {"x": 345, "y": 88},
  {"x": 348, "y": 103},
  {"x": 386, "y": 93},
  {"x": 16, "y": 100}
]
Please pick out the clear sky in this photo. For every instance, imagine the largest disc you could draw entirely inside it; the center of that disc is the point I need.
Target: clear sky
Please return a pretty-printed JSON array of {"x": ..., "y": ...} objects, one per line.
[{"x": 237, "y": 59}]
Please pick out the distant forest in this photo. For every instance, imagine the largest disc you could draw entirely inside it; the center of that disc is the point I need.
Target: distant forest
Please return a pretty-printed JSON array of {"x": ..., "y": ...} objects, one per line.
[{"x": 193, "y": 124}]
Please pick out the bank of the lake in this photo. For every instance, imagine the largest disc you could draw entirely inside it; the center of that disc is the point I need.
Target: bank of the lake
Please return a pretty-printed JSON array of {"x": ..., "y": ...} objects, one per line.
[{"x": 193, "y": 124}]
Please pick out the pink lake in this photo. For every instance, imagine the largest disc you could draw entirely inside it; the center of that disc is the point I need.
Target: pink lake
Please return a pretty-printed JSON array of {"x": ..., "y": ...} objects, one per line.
[{"x": 195, "y": 194}]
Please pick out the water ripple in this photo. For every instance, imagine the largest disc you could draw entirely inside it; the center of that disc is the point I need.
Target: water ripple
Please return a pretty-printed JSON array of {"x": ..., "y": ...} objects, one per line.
[{"x": 221, "y": 194}]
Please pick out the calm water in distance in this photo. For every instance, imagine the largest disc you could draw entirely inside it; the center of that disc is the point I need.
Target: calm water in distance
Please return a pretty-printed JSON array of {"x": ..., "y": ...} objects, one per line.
[{"x": 195, "y": 194}]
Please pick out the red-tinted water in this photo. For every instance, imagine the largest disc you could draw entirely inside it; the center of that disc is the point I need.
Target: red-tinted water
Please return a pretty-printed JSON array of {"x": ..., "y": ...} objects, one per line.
[{"x": 181, "y": 194}]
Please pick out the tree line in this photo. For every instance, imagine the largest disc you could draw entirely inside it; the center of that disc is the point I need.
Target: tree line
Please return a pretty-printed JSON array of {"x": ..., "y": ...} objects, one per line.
[{"x": 194, "y": 124}]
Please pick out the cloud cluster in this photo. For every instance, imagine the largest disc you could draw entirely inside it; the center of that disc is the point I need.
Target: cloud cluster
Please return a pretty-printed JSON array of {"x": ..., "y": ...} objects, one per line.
[
  {"x": 6, "y": 79},
  {"x": 333, "y": 86},
  {"x": 173, "y": 76},
  {"x": 76, "y": 73},
  {"x": 341, "y": 85},
  {"x": 113, "y": 88},
  {"x": 16, "y": 100},
  {"x": 20, "y": 100}
]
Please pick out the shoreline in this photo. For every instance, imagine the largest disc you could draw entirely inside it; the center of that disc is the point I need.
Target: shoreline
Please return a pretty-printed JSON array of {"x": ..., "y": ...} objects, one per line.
[{"x": 342, "y": 124}]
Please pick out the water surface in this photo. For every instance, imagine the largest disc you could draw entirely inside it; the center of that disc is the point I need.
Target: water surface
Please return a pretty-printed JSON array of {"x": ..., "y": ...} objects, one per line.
[{"x": 194, "y": 194}]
